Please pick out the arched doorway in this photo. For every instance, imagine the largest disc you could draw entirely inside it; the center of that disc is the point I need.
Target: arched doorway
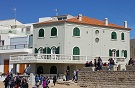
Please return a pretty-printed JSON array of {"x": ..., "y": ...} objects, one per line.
[
  {"x": 53, "y": 70},
  {"x": 40, "y": 70},
  {"x": 53, "y": 50}
]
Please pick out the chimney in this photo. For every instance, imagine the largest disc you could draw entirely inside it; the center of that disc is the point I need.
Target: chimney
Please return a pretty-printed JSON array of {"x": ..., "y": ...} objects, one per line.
[
  {"x": 125, "y": 24},
  {"x": 106, "y": 21},
  {"x": 80, "y": 17}
]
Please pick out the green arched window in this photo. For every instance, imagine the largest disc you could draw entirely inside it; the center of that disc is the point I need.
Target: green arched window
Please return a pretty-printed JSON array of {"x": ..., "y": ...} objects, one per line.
[
  {"x": 53, "y": 31},
  {"x": 113, "y": 35},
  {"x": 45, "y": 50},
  {"x": 76, "y": 32},
  {"x": 117, "y": 53},
  {"x": 125, "y": 53},
  {"x": 76, "y": 51},
  {"x": 110, "y": 52},
  {"x": 36, "y": 50},
  {"x": 122, "y": 36},
  {"x": 48, "y": 50},
  {"x": 58, "y": 50},
  {"x": 41, "y": 33}
]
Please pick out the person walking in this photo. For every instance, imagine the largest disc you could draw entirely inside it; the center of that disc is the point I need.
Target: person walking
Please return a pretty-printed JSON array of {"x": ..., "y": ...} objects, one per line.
[
  {"x": 44, "y": 83},
  {"x": 54, "y": 80}
]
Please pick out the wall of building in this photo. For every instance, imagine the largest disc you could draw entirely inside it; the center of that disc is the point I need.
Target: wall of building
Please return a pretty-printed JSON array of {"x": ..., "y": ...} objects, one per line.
[
  {"x": 88, "y": 46},
  {"x": 48, "y": 40},
  {"x": 132, "y": 48}
]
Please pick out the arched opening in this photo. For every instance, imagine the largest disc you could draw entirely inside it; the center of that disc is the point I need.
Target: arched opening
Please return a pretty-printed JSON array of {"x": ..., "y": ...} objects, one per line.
[
  {"x": 53, "y": 50},
  {"x": 41, "y": 33},
  {"x": 40, "y": 70},
  {"x": 54, "y": 31},
  {"x": 76, "y": 32},
  {"x": 53, "y": 70},
  {"x": 113, "y": 35},
  {"x": 76, "y": 52}
]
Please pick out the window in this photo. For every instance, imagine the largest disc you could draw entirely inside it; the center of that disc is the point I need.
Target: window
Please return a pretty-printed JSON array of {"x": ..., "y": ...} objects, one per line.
[
  {"x": 125, "y": 53},
  {"x": 36, "y": 50},
  {"x": 97, "y": 32},
  {"x": 122, "y": 36},
  {"x": 76, "y": 51},
  {"x": 41, "y": 33},
  {"x": 110, "y": 52},
  {"x": 54, "y": 32},
  {"x": 97, "y": 40},
  {"x": 76, "y": 32},
  {"x": 117, "y": 53},
  {"x": 113, "y": 35},
  {"x": 53, "y": 50},
  {"x": 40, "y": 50},
  {"x": 57, "y": 50}
]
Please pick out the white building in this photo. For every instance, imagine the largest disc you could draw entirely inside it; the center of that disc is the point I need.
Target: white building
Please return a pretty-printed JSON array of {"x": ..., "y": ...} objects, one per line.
[
  {"x": 14, "y": 39},
  {"x": 65, "y": 43},
  {"x": 132, "y": 48}
]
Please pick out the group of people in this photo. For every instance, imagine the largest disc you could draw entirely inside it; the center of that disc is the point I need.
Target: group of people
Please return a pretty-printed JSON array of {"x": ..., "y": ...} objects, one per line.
[
  {"x": 98, "y": 64},
  {"x": 131, "y": 62},
  {"x": 15, "y": 82},
  {"x": 44, "y": 81}
]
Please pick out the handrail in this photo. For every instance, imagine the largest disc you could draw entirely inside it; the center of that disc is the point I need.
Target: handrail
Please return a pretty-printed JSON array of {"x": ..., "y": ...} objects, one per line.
[{"x": 19, "y": 46}]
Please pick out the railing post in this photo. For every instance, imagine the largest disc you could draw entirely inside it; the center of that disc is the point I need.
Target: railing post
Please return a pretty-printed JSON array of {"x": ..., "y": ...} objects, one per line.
[{"x": 55, "y": 56}]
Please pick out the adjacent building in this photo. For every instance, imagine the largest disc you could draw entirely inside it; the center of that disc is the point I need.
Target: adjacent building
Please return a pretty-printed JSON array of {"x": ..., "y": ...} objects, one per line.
[{"x": 15, "y": 38}]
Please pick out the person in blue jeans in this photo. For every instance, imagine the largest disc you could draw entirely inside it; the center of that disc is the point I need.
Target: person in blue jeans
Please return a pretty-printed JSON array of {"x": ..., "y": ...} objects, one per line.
[
  {"x": 111, "y": 63},
  {"x": 36, "y": 80}
]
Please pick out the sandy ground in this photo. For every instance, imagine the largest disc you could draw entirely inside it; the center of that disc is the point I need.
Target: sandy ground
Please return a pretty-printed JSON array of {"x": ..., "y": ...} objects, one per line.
[{"x": 71, "y": 85}]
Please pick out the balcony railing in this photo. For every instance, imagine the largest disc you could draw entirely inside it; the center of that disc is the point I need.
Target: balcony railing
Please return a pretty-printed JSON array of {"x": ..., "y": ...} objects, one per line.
[
  {"x": 59, "y": 58},
  {"x": 6, "y": 31},
  {"x": 9, "y": 47}
]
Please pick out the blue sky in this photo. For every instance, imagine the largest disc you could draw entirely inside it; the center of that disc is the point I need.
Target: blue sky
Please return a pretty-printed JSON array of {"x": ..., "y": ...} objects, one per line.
[{"x": 28, "y": 11}]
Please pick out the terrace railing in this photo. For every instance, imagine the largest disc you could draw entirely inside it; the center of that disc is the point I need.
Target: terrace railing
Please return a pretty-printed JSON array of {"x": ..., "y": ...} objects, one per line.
[
  {"x": 8, "y": 47},
  {"x": 59, "y": 58}
]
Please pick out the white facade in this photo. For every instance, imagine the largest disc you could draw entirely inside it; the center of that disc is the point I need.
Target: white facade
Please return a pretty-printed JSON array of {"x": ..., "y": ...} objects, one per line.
[
  {"x": 132, "y": 48},
  {"x": 86, "y": 41}
]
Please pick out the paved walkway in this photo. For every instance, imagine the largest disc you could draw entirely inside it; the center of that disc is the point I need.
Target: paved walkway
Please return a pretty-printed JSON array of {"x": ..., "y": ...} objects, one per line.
[{"x": 58, "y": 85}]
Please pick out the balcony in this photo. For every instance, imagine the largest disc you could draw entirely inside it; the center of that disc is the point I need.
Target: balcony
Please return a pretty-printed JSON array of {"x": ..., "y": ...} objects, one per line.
[
  {"x": 9, "y": 47},
  {"x": 6, "y": 31},
  {"x": 57, "y": 58}
]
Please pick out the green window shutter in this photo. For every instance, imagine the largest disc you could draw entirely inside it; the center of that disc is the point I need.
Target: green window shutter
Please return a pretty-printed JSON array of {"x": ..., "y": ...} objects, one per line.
[
  {"x": 36, "y": 50},
  {"x": 41, "y": 33},
  {"x": 110, "y": 52},
  {"x": 48, "y": 50},
  {"x": 117, "y": 53},
  {"x": 113, "y": 35},
  {"x": 125, "y": 53},
  {"x": 54, "y": 32},
  {"x": 44, "y": 50},
  {"x": 76, "y": 51},
  {"x": 76, "y": 32},
  {"x": 58, "y": 50},
  {"x": 122, "y": 36}
]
